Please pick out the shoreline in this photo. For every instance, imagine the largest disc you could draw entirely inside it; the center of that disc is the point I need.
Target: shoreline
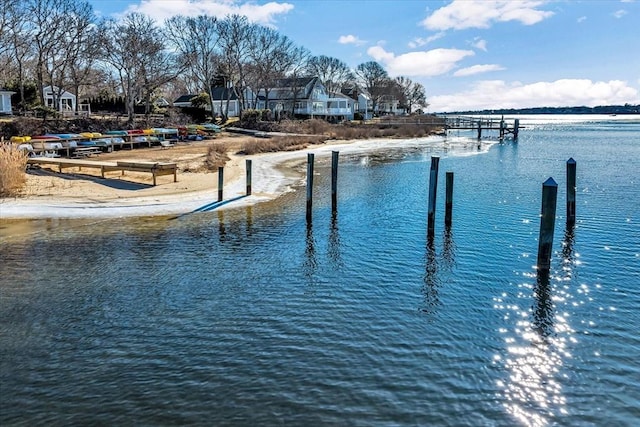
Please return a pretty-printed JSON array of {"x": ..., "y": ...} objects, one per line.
[{"x": 273, "y": 174}]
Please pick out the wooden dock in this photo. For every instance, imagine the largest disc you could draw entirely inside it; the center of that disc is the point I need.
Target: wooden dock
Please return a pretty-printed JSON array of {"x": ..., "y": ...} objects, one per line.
[
  {"x": 483, "y": 124},
  {"x": 155, "y": 168}
]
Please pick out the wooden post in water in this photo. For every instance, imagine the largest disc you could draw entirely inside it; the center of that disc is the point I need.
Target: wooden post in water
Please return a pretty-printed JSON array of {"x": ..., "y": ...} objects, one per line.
[
  {"x": 220, "y": 182},
  {"x": 571, "y": 191},
  {"x": 547, "y": 223},
  {"x": 448, "y": 205},
  {"x": 479, "y": 130},
  {"x": 334, "y": 180},
  {"x": 516, "y": 128},
  {"x": 248, "y": 167},
  {"x": 310, "y": 157},
  {"x": 501, "y": 128},
  {"x": 433, "y": 185}
]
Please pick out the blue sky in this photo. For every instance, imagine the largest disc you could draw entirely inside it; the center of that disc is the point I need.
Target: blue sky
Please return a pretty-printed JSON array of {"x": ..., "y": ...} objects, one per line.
[{"x": 468, "y": 54}]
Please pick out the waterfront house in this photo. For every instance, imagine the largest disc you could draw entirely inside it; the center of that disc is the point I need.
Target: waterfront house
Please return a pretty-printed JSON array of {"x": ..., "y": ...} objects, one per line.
[
  {"x": 5, "y": 102},
  {"x": 363, "y": 105},
  {"x": 305, "y": 97}
]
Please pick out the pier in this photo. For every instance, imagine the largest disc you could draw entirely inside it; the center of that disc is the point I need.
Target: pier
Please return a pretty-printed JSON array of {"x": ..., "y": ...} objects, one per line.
[{"x": 483, "y": 125}]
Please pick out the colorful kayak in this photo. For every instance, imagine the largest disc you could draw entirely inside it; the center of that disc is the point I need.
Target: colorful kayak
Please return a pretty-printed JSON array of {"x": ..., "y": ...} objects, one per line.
[{"x": 20, "y": 139}]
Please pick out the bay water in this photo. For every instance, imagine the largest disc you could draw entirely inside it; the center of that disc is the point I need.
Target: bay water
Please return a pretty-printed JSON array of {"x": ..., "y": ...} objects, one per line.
[{"x": 250, "y": 316}]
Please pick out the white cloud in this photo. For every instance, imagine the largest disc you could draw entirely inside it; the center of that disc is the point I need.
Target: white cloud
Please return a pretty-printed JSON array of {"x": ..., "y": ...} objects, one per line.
[
  {"x": 478, "y": 69},
  {"x": 350, "y": 39},
  {"x": 479, "y": 43},
  {"x": 582, "y": 19},
  {"x": 160, "y": 10},
  {"x": 424, "y": 63},
  {"x": 619, "y": 13},
  {"x": 419, "y": 41},
  {"x": 461, "y": 14},
  {"x": 493, "y": 94}
]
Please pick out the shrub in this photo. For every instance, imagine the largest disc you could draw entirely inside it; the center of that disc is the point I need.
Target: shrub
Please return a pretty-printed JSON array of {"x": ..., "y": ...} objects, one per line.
[
  {"x": 12, "y": 166},
  {"x": 216, "y": 156}
]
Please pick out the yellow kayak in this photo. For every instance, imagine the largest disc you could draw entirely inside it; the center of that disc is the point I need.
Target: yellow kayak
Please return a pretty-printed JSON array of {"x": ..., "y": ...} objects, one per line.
[{"x": 20, "y": 139}]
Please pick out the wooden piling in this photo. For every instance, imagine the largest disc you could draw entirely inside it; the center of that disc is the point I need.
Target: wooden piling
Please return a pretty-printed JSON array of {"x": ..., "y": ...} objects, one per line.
[
  {"x": 547, "y": 223},
  {"x": 220, "y": 182},
  {"x": 334, "y": 180},
  {"x": 248, "y": 167},
  {"x": 516, "y": 128},
  {"x": 310, "y": 157},
  {"x": 501, "y": 128},
  {"x": 433, "y": 185},
  {"x": 479, "y": 130},
  {"x": 571, "y": 191},
  {"x": 448, "y": 205}
]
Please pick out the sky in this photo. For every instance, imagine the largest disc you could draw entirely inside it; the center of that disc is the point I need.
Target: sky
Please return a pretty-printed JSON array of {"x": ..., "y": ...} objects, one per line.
[{"x": 468, "y": 54}]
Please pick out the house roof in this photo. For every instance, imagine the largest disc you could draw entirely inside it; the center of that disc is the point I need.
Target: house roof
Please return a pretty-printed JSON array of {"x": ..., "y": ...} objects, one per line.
[
  {"x": 354, "y": 92},
  {"x": 223, "y": 93},
  {"x": 184, "y": 98},
  {"x": 285, "y": 88},
  {"x": 294, "y": 82},
  {"x": 217, "y": 92}
]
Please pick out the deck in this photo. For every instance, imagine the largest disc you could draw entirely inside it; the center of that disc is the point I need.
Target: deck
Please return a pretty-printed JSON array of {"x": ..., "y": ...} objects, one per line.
[{"x": 156, "y": 169}]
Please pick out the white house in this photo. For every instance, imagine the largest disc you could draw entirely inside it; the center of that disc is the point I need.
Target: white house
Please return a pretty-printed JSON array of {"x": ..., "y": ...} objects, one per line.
[
  {"x": 362, "y": 100},
  {"x": 67, "y": 100},
  {"x": 5, "y": 102},
  {"x": 306, "y": 97}
]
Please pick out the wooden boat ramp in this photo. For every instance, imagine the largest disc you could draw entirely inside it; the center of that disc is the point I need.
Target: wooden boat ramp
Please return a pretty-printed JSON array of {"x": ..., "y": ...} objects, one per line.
[{"x": 154, "y": 168}]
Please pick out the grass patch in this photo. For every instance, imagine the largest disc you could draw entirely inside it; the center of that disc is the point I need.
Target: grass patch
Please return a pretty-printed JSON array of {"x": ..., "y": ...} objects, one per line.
[
  {"x": 13, "y": 163},
  {"x": 280, "y": 143}
]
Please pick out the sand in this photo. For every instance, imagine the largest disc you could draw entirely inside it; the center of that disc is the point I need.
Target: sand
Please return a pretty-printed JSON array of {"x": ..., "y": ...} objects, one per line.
[{"x": 82, "y": 194}]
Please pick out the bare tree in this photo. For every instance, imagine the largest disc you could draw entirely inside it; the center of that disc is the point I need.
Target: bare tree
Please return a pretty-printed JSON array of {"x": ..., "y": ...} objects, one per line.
[
  {"x": 417, "y": 97},
  {"x": 197, "y": 43},
  {"x": 46, "y": 28},
  {"x": 8, "y": 13},
  {"x": 374, "y": 79},
  {"x": 333, "y": 73},
  {"x": 271, "y": 54},
  {"x": 129, "y": 46},
  {"x": 235, "y": 35},
  {"x": 81, "y": 47}
]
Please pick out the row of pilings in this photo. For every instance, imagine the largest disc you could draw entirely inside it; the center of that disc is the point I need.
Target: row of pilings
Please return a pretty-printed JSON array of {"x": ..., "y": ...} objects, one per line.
[{"x": 547, "y": 211}]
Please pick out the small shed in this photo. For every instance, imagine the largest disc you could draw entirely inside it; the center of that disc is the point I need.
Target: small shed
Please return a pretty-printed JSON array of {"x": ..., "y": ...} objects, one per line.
[
  {"x": 67, "y": 99},
  {"x": 5, "y": 101}
]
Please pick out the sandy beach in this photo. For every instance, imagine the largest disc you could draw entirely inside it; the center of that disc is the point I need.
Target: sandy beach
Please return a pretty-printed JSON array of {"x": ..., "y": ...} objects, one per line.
[{"x": 83, "y": 193}]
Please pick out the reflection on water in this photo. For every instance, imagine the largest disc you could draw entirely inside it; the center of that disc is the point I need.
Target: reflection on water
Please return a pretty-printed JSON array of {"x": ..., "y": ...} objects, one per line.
[
  {"x": 206, "y": 319},
  {"x": 448, "y": 249},
  {"x": 222, "y": 231},
  {"x": 431, "y": 279},
  {"x": 333, "y": 242},
  {"x": 536, "y": 351},
  {"x": 310, "y": 261}
]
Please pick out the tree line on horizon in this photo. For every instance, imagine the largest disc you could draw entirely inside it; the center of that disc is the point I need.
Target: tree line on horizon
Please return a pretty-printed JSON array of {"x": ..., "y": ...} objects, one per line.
[
  {"x": 600, "y": 109},
  {"x": 65, "y": 45}
]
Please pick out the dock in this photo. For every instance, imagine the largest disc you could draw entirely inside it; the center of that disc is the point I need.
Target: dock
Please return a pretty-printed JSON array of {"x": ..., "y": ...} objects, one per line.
[
  {"x": 154, "y": 168},
  {"x": 483, "y": 124}
]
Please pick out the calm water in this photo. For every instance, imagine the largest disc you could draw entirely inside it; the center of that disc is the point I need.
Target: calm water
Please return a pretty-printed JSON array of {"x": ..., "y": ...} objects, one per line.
[{"x": 248, "y": 317}]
